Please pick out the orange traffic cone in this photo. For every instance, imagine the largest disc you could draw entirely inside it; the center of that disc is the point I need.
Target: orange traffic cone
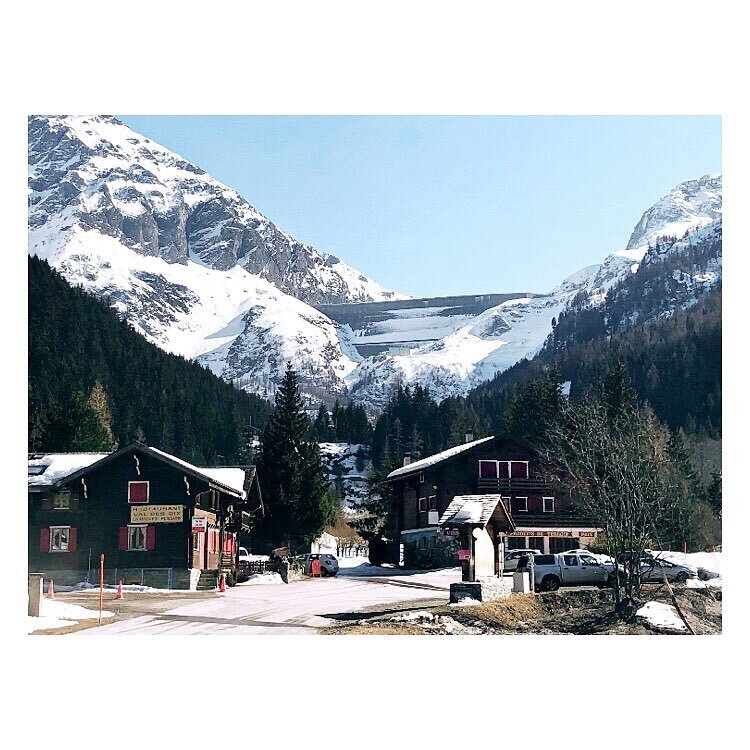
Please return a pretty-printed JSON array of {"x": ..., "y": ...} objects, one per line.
[
  {"x": 119, "y": 591},
  {"x": 51, "y": 589},
  {"x": 222, "y": 582}
]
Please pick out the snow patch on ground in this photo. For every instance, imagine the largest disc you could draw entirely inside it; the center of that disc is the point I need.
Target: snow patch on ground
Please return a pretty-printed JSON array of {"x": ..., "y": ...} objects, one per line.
[
  {"x": 661, "y": 615},
  {"x": 262, "y": 579},
  {"x": 56, "y": 614}
]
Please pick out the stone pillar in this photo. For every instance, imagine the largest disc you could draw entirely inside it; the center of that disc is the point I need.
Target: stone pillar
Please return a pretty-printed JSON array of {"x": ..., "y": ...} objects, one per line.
[{"x": 36, "y": 593}]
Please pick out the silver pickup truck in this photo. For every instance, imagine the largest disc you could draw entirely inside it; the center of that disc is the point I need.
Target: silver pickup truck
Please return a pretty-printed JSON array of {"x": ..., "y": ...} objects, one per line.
[{"x": 571, "y": 569}]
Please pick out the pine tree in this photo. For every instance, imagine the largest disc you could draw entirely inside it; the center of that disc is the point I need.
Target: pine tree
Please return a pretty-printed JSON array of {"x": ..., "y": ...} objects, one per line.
[
  {"x": 298, "y": 506},
  {"x": 322, "y": 426},
  {"x": 99, "y": 404},
  {"x": 89, "y": 434}
]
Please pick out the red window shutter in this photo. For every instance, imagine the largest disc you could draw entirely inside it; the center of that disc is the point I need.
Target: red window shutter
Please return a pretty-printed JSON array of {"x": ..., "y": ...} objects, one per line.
[
  {"x": 138, "y": 492},
  {"x": 72, "y": 539},
  {"x": 503, "y": 469},
  {"x": 44, "y": 540},
  {"x": 123, "y": 537},
  {"x": 150, "y": 537}
]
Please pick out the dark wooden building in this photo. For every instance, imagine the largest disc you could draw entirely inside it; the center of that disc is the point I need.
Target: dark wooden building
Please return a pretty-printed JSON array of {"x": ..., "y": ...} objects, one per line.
[
  {"x": 158, "y": 520},
  {"x": 503, "y": 466}
]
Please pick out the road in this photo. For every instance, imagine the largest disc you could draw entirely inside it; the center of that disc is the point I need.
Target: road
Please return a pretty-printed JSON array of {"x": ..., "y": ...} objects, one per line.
[{"x": 300, "y": 608}]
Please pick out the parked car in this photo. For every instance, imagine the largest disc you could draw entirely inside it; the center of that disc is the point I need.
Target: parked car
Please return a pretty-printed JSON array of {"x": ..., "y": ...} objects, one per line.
[
  {"x": 624, "y": 557},
  {"x": 654, "y": 570},
  {"x": 571, "y": 569},
  {"x": 329, "y": 564},
  {"x": 512, "y": 557},
  {"x": 583, "y": 551},
  {"x": 244, "y": 555}
]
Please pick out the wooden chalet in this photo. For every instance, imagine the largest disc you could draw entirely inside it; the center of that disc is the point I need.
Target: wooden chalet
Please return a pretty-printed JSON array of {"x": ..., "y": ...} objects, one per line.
[
  {"x": 501, "y": 468},
  {"x": 159, "y": 521}
]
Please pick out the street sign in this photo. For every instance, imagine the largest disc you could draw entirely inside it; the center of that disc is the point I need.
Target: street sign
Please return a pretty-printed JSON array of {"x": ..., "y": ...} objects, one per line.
[
  {"x": 199, "y": 524},
  {"x": 464, "y": 554}
]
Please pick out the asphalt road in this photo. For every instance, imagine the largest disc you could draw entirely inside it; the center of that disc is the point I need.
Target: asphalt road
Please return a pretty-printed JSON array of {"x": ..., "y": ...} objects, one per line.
[{"x": 300, "y": 608}]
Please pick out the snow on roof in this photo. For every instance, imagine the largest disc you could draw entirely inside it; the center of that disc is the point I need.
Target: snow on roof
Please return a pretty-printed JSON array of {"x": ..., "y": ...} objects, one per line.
[
  {"x": 474, "y": 509},
  {"x": 56, "y": 466},
  {"x": 52, "y": 467},
  {"x": 437, "y": 458},
  {"x": 229, "y": 477}
]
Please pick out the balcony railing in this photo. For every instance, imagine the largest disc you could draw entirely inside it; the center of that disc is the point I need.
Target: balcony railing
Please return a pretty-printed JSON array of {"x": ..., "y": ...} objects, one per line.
[{"x": 515, "y": 486}]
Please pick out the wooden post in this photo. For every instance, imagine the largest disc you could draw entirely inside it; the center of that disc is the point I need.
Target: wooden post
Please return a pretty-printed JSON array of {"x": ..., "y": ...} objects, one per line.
[{"x": 101, "y": 586}]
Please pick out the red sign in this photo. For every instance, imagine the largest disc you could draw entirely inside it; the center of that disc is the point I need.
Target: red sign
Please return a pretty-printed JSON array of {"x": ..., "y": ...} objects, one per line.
[{"x": 464, "y": 554}]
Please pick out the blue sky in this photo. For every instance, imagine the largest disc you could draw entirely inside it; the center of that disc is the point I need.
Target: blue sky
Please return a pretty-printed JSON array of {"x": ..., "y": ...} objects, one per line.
[{"x": 449, "y": 205}]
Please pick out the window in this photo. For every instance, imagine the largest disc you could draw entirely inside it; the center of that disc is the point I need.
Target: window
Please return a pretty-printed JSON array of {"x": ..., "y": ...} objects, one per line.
[
  {"x": 138, "y": 492},
  {"x": 36, "y": 469},
  {"x": 523, "y": 504},
  {"x": 136, "y": 538},
  {"x": 588, "y": 560},
  {"x": 488, "y": 470},
  {"x": 548, "y": 504},
  {"x": 59, "y": 538},
  {"x": 421, "y": 478},
  {"x": 571, "y": 560},
  {"x": 519, "y": 469},
  {"x": 432, "y": 502},
  {"x": 422, "y": 504},
  {"x": 61, "y": 501}
]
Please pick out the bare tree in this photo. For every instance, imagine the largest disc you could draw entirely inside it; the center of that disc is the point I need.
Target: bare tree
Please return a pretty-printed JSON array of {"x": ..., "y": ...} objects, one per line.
[{"x": 617, "y": 464}]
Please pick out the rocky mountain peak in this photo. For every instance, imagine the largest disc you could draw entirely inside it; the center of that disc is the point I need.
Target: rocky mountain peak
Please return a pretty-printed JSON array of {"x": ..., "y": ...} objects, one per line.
[
  {"x": 690, "y": 205},
  {"x": 98, "y": 174}
]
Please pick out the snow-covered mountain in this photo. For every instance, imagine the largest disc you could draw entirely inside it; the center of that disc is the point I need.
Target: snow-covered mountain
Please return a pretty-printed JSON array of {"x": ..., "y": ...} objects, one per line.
[
  {"x": 197, "y": 270},
  {"x": 502, "y": 335},
  {"x": 186, "y": 260},
  {"x": 691, "y": 205}
]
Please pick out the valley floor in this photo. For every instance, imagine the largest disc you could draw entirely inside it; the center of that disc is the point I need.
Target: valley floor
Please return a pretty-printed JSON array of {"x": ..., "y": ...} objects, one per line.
[{"x": 368, "y": 600}]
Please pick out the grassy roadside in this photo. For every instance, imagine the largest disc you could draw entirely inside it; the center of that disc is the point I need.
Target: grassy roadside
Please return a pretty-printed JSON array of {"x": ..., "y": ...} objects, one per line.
[{"x": 569, "y": 612}]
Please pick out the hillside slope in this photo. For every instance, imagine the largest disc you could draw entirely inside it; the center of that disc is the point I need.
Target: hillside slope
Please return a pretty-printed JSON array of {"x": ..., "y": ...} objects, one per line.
[
  {"x": 76, "y": 340},
  {"x": 663, "y": 323}
]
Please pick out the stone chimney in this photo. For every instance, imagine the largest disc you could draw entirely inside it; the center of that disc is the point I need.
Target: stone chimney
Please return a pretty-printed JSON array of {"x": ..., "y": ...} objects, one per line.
[
  {"x": 407, "y": 459},
  {"x": 469, "y": 437}
]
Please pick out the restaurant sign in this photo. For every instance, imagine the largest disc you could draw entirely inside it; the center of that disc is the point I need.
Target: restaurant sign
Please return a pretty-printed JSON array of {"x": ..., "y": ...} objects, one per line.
[
  {"x": 156, "y": 514},
  {"x": 553, "y": 532},
  {"x": 464, "y": 554}
]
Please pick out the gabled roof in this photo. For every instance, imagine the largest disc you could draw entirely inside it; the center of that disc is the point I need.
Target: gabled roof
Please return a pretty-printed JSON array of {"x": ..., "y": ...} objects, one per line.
[
  {"x": 475, "y": 510},
  {"x": 229, "y": 480},
  {"x": 437, "y": 458},
  {"x": 228, "y": 477}
]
